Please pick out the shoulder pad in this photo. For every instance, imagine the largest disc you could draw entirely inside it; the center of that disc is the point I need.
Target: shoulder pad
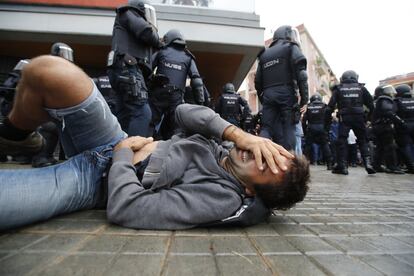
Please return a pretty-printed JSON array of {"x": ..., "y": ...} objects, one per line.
[
  {"x": 261, "y": 51},
  {"x": 189, "y": 53}
]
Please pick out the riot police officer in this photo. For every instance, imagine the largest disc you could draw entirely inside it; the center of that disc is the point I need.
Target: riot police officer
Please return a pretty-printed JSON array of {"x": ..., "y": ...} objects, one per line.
[
  {"x": 7, "y": 92},
  {"x": 192, "y": 95},
  {"x": 109, "y": 94},
  {"x": 350, "y": 96},
  {"x": 405, "y": 134},
  {"x": 316, "y": 128},
  {"x": 281, "y": 68},
  {"x": 231, "y": 106},
  {"x": 383, "y": 120},
  {"x": 173, "y": 64},
  {"x": 129, "y": 63}
]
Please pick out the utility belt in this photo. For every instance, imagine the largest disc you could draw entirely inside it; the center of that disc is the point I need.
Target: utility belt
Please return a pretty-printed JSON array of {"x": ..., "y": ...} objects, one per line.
[
  {"x": 279, "y": 84},
  {"x": 130, "y": 80}
]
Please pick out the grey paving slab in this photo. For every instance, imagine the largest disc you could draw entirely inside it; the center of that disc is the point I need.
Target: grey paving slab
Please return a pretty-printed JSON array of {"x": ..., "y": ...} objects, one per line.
[
  {"x": 79, "y": 265},
  {"x": 275, "y": 245},
  {"x": 406, "y": 239},
  {"x": 312, "y": 245},
  {"x": 18, "y": 241},
  {"x": 242, "y": 265},
  {"x": 57, "y": 242},
  {"x": 261, "y": 230},
  {"x": 351, "y": 244},
  {"x": 291, "y": 229},
  {"x": 229, "y": 244},
  {"x": 104, "y": 244},
  {"x": 191, "y": 265},
  {"x": 388, "y": 265},
  {"x": 406, "y": 258},
  {"x": 389, "y": 243},
  {"x": 351, "y": 225},
  {"x": 294, "y": 265},
  {"x": 145, "y": 244},
  {"x": 23, "y": 263},
  {"x": 344, "y": 265},
  {"x": 191, "y": 245}
]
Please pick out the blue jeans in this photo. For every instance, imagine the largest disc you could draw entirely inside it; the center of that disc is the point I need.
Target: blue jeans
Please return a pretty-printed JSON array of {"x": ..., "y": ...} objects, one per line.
[{"x": 88, "y": 132}]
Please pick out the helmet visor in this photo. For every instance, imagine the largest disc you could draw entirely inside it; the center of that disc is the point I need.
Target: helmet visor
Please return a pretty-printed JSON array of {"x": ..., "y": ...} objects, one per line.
[
  {"x": 22, "y": 63},
  {"x": 389, "y": 90},
  {"x": 150, "y": 15},
  {"x": 66, "y": 53},
  {"x": 294, "y": 36}
]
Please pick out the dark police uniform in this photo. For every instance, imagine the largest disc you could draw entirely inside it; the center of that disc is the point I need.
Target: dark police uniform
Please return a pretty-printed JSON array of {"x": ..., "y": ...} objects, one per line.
[
  {"x": 405, "y": 134},
  {"x": 316, "y": 129},
  {"x": 109, "y": 94},
  {"x": 383, "y": 120},
  {"x": 174, "y": 63},
  {"x": 350, "y": 97},
  {"x": 281, "y": 68},
  {"x": 48, "y": 130},
  {"x": 129, "y": 66},
  {"x": 231, "y": 106}
]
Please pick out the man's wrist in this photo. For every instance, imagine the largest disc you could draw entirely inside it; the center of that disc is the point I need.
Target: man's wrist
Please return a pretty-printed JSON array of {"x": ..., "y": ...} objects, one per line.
[{"x": 232, "y": 133}]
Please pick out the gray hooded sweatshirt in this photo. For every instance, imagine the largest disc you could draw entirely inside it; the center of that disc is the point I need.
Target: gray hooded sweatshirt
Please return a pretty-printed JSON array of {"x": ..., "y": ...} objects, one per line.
[{"x": 183, "y": 185}]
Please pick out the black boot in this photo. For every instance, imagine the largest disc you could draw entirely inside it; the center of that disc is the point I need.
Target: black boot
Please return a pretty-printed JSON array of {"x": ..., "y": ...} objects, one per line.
[
  {"x": 368, "y": 165},
  {"x": 45, "y": 158},
  {"x": 340, "y": 168}
]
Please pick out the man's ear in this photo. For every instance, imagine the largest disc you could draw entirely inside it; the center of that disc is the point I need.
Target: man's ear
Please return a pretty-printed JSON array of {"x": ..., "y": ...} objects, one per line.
[{"x": 249, "y": 191}]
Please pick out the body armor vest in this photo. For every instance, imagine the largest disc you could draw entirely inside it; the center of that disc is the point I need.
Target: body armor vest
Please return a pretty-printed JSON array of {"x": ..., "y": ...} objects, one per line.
[
  {"x": 125, "y": 42},
  {"x": 316, "y": 113},
  {"x": 350, "y": 99},
  {"x": 379, "y": 109},
  {"x": 104, "y": 86},
  {"x": 230, "y": 105},
  {"x": 406, "y": 108},
  {"x": 275, "y": 65},
  {"x": 175, "y": 64}
]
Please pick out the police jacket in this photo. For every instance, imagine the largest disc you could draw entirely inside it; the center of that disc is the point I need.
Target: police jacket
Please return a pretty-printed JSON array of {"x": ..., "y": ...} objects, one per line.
[
  {"x": 385, "y": 111},
  {"x": 176, "y": 63},
  {"x": 283, "y": 63},
  {"x": 315, "y": 113},
  {"x": 405, "y": 108},
  {"x": 230, "y": 105},
  {"x": 350, "y": 98},
  {"x": 133, "y": 35}
]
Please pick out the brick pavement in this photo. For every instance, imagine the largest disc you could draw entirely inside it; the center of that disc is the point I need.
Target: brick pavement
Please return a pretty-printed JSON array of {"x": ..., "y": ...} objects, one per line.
[{"x": 348, "y": 225}]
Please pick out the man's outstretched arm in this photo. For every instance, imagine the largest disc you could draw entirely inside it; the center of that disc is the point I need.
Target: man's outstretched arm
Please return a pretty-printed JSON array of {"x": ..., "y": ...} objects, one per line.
[{"x": 203, "y": 120}]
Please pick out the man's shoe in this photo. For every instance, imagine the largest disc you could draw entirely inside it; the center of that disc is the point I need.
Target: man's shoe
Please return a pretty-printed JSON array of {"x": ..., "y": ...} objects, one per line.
[
  {"x": 43, "y": 161},
  {"x": 340, "y": 170},
  {"x": 29, "y": 146}
]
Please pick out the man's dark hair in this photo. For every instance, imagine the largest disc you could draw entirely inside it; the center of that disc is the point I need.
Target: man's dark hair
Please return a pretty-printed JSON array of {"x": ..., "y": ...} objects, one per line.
[{"x": 290, "y": 190}]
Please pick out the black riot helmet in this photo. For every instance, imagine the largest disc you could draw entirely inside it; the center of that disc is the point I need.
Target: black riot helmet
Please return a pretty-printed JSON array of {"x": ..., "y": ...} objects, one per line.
[
  {"x": 403, "y": 91},
  {"x": 143, "y": 8},
  {"x": 229, "y": 88},
  {"x": 384, "y": 90},
  {"x": 22, "y": 63},
  {"x": 349, "y": 76},
  {"x": 174, "y": 36},
  {"x": 63, "y": 50},
  {"x": 288, "y": 33},
  {"x": 316, "y": 98}
]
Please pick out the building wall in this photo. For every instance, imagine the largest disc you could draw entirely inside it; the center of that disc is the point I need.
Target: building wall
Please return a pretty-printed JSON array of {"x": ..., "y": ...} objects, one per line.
[{"x": 400, "y": 79}]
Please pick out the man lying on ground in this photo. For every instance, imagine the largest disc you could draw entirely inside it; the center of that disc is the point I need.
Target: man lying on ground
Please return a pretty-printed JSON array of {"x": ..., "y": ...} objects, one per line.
[{"x": 180, "y": 183}]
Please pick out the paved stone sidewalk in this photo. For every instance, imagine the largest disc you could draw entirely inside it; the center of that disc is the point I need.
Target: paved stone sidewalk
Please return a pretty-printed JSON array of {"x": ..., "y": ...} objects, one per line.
[{"x": 348, "y": 225}]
